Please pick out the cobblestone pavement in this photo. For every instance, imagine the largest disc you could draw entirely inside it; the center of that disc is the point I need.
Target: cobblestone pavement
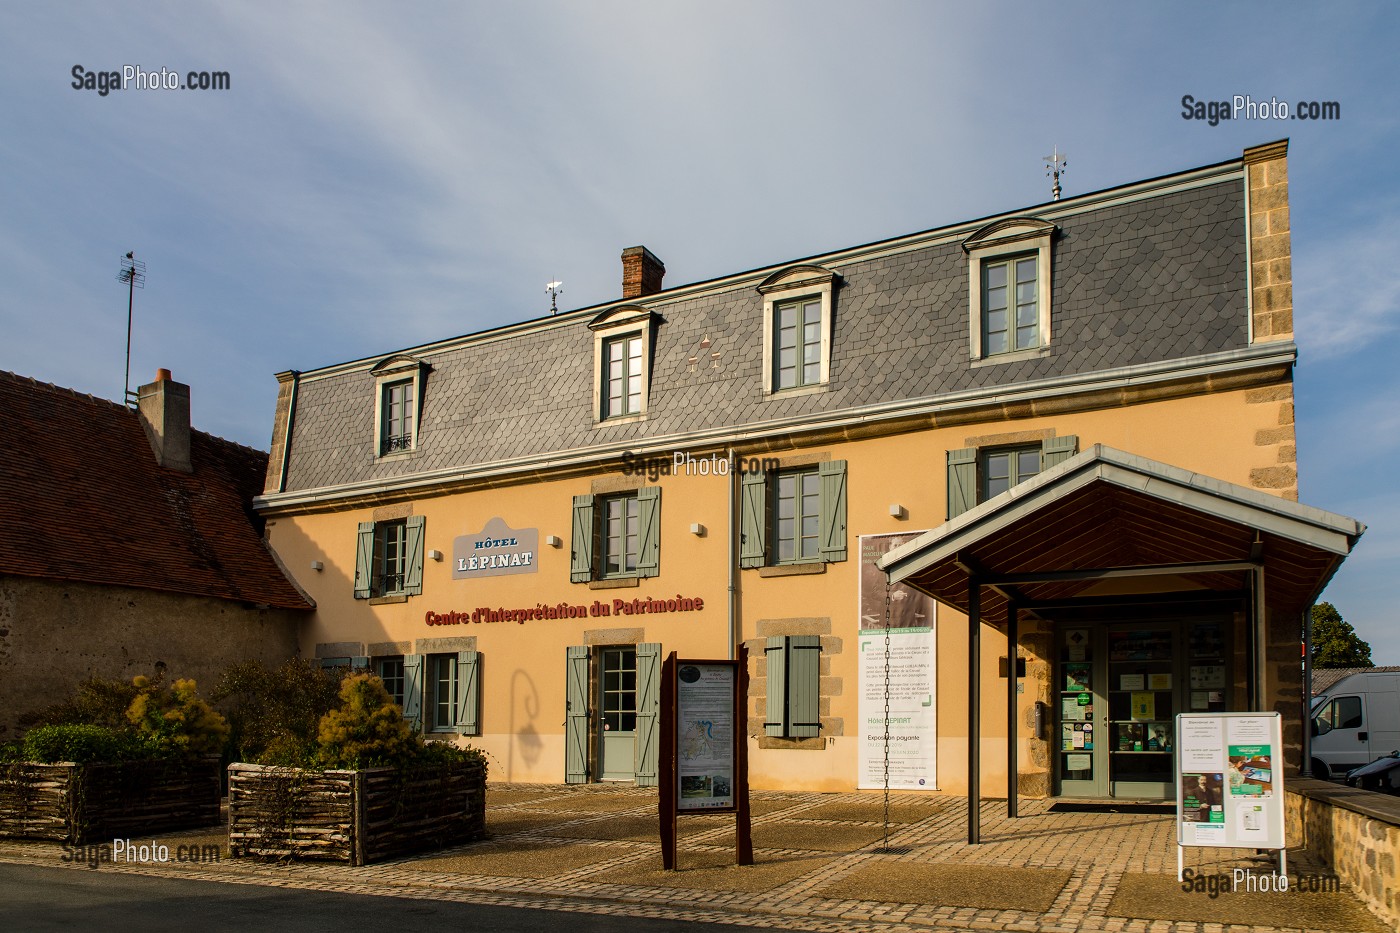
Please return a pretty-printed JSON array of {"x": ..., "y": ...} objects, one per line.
[{"x": 588, "y": 849}]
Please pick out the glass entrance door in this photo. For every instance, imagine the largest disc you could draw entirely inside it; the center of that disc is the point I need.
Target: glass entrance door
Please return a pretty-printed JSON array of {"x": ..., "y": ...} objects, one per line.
[
  {"x": 617, "y": 738},
  {"x": 1143, "y": 684}
]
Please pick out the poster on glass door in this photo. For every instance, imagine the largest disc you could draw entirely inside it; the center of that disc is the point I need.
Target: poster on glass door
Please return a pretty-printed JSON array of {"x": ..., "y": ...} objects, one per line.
[
  {"x": 907, "y": 673},
  {"x": 1229, "y": 792}
]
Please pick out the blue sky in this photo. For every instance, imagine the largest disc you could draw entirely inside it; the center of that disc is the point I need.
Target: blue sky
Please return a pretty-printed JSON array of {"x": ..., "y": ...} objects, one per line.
[{"x": 378, "y": 177}]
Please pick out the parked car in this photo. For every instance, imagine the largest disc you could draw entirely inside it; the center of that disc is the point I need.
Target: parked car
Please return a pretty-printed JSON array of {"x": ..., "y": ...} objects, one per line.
[
  {"x": 1354, "y": 722},
  {"x": 1382, "y": 775}
]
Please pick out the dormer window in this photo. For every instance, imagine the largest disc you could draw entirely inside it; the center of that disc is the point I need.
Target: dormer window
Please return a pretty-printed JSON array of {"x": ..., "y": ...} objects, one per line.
[
  {"x": 1009, "y": 290},
  {"x": 398, "y": 383},
  {"x": 797, "y": 318},
  {"x": 622, "y": 341}
]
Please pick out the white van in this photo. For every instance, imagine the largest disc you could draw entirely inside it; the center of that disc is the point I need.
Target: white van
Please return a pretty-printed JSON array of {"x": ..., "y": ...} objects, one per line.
[{"x": 1356, "y": 721}]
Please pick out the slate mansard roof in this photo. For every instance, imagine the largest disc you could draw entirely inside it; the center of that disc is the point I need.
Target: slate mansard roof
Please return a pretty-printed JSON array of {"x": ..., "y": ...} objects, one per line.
[
  {"x": 1146, "y": 278},
  {"x": 82, "y": 499}
]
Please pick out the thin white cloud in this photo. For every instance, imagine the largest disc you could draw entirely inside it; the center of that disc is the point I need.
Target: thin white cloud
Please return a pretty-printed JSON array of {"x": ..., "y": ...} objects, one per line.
[{"x": 1347, "y": 286}]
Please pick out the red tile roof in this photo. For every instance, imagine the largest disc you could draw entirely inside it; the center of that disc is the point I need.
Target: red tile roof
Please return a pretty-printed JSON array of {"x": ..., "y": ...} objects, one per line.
[{"x": 81, "y": 498}]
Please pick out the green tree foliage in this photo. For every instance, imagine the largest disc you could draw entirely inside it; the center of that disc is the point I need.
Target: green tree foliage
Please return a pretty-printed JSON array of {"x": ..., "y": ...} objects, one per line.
[
  {"x": 1334, "y": 642},
  {"x": 367, "y": 728},
  {"x": 274, "y": 714}
]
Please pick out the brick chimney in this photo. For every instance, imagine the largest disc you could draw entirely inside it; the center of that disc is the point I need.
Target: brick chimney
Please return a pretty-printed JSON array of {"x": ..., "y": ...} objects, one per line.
[
  {"x": 164, "y": 406},
  {"x": 641, "y": 272}
]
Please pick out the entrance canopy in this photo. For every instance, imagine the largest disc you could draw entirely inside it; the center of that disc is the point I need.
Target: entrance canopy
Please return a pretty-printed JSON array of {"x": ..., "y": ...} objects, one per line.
[
  {"x": 1083, "y": 528},
  {"x": 1107, "y": 530}
]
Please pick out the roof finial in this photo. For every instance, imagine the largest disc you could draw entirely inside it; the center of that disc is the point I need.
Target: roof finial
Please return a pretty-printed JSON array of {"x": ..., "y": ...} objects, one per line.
[
  {"x": 554, "y": 288},
  {"x": 1055, "y": 165}
]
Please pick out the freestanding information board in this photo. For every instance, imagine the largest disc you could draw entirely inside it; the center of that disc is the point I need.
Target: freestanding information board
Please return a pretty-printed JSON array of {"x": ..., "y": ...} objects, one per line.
[
  {"x": 704, "y": 747},
  {"x": 1229, "y": 779}
]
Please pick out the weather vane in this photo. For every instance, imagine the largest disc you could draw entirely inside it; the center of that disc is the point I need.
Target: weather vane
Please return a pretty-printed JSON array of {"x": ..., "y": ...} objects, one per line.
[
  {"x": 133, "y": 276},
  {"x": 1055, "y": 165},
  {"x": 554, "y": 288}
]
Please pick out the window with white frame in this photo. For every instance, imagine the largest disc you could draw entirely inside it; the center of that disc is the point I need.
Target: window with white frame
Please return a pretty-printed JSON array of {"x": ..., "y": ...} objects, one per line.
[
  {"x": 793, "y": 515},
  {"x": 977, "y": 474},
  {"x": 622, "y": 394},
  {"x": 389, "y": 558},
  {"x": 398, "y": 394},
  {"x": 622, "y": 341},
  {"x": 391, "y": 673},
  {"x": 442, "y": 693},
  {"x": 1009, "y": 289},
  {"x": 616, "y": 535},
  {"x": 797, "y": 324}
]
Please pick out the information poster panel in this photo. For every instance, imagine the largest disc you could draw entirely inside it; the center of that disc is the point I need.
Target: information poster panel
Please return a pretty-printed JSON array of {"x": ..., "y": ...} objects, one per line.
[
  {"x": 705, "y": 736},
  {"x": 1230, "y": 780},
  {"x": 909, "y": 622}
]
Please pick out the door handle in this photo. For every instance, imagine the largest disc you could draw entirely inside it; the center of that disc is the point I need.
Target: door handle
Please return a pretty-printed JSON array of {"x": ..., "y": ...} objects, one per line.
[{"x": 1362, "y": 736}]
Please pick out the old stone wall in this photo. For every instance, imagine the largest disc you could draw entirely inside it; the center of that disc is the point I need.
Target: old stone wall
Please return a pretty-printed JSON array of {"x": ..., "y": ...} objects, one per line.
[
  {"x": 53, "y": 634},
  {"x": 1355, "y": 832}
]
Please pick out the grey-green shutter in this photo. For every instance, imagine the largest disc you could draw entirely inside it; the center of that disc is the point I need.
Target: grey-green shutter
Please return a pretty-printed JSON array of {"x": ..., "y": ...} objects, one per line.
[
  {"x": 962, "y": 481},
  {"x": 413, "y": 577},
  {"x": 468, "y": 693},
  {"x": 649, "y": 527},
  {"x": 581, "y": 561},
  {"x": 359, "y": 663},
  {"x": 1056, "y": 450},
  {"x": 576, "y": 716},
  {"x": 364, "y": 558},
  {"x": 804, "y": 654},
  {"x": 413, "y": 665},
  {"x": 648, "y": 713},
  {"x": 753, "y": 506},
  {"x": 776, "y": 664},
  {"x": 831, "y": 501}
]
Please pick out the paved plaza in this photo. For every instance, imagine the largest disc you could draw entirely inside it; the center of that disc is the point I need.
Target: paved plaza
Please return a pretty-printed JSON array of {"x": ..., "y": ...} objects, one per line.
[{"x": 822, "y": 863}]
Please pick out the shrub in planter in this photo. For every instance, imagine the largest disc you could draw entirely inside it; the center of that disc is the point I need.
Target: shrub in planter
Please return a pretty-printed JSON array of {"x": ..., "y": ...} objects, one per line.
[
  {"x": 369, "y": 789},
  {"x": 76, "y": 781}
]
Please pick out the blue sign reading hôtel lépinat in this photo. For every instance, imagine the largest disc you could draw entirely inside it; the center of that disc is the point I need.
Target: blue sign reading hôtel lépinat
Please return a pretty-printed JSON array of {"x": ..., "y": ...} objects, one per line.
[{"x": 497, "y": 550}]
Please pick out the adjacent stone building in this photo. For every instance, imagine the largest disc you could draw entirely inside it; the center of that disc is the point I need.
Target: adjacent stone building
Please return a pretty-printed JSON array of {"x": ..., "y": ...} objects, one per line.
[{"x": 128, "y": 541}]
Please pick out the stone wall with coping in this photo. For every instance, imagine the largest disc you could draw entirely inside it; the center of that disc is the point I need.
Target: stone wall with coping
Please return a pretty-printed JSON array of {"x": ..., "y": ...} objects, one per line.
[{"x": 1355, "y": 832}]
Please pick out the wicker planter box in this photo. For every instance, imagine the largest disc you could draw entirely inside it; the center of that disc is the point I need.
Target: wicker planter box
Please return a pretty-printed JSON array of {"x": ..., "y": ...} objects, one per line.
[
  {"x": 80, "y": 803},
  {"x": 354, "y": 816}
]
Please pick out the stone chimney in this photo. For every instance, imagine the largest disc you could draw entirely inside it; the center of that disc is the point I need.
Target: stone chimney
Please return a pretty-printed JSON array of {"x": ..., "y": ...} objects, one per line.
[
  {"x": 641, "y": 272},
  {"x": 164, "y": 406}
]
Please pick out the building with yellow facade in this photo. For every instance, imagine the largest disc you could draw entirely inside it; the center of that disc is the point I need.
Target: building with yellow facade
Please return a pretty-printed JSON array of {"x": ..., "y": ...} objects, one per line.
[{"x": 1070, "y": 424}]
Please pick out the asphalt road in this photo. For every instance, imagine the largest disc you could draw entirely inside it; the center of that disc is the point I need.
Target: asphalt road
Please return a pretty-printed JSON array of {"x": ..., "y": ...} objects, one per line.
[{"x": 35, "y": 899}]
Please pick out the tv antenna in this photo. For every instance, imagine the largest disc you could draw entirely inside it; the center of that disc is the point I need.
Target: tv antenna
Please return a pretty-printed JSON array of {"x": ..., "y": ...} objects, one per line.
[
  {"x": 133, "y": 276},
  {"x": 554, "y": 288},
  {"x": 1055, "y": 165}
]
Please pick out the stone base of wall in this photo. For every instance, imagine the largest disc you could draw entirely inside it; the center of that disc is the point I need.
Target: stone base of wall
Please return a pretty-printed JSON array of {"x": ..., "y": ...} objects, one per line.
[{"x": 1354, "y": 832}]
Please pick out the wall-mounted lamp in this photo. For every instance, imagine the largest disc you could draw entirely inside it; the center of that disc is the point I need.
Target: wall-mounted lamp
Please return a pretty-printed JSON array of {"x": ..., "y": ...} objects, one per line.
[
  {"x": 317, "y": 566},
  {"x": 899, "y": 511},
  {"x": 697, "y": 529},
  {"x": 435, "y": 554},
  {"x": 553, "y": 541}
]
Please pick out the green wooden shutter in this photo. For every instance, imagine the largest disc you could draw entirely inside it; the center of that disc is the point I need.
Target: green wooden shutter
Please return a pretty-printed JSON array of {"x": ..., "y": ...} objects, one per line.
[
  {"x": 648, "y": 713},
  {"x": 364, "y": 560},
  {"x": 962, "y": 481},
  {"x": 576, "y": 715},
  {"x": 413, "y": 665},
  {"x": 1056, "y": 450},
  {"x": 832, "y": 509},
  {"x": 359, "y": 664},
  {"x": 804, "y": 686},
  {"x": 581, "y": 561},
  {"x": 649, "y": 527},
  {"x": 468, "y": 693},
  {"x": 775, "y": 653},
  {"x": 413, "y": 577},
  {"x": 753, "y": 506}
]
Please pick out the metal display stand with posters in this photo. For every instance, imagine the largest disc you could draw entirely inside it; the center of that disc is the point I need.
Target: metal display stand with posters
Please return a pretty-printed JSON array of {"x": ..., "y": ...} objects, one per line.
[
  {"x": 1229, "y": 780},
  {"x": 704, "y": 748}
]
